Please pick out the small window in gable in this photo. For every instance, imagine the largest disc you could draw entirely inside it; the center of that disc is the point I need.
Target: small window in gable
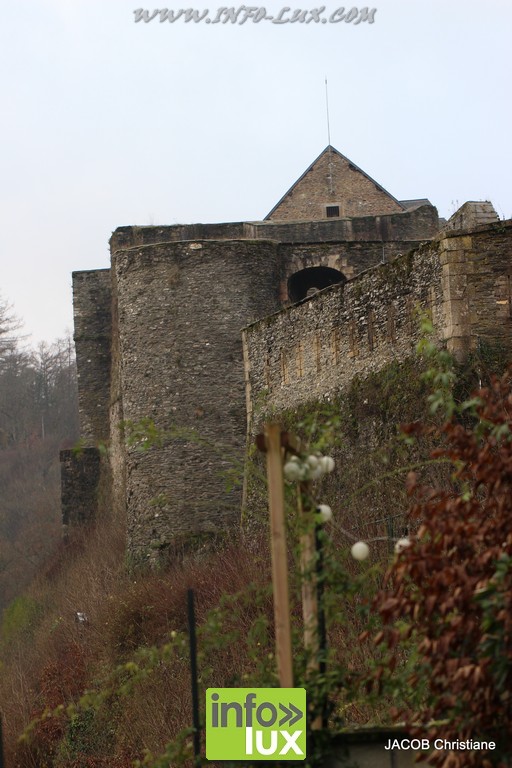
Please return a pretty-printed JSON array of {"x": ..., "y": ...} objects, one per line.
[{"x": 332, "y": 211}]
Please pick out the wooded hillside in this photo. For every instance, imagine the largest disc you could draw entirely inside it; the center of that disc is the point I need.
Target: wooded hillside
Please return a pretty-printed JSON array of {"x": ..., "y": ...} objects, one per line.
[{"x": 38, "y": 416}]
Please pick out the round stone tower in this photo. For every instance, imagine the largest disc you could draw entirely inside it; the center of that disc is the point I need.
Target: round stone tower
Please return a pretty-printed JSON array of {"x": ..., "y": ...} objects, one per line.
[{"x": 178, "y": 364}]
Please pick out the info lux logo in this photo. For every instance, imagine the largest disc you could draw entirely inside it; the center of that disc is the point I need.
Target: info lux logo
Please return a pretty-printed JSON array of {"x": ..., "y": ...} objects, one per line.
[{"x": 255, "y": 723}]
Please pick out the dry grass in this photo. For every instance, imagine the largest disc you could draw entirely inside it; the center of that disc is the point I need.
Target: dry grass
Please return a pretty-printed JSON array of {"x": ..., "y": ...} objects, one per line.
[{"x": 58, "y": 657}]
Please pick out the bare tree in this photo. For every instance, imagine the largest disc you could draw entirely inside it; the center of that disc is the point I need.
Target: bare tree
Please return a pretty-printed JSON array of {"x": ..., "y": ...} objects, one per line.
[
  {"x": 9, "y": 324},
  {"x": 38, "y": 415}
]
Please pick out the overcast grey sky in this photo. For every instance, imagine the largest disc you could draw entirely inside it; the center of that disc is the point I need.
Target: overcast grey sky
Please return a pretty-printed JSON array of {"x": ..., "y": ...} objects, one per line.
[{"x": 108, "y": 122}]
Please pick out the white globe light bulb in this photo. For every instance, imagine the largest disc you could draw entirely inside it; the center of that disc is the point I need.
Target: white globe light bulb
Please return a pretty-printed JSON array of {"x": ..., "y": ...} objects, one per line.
[
  {"x": 325, "y": 512},
  {"x": 312, "y": 461},
  {"x": 360, "y": 550},
  {"x": 292, "y": 471},
  {"x": 402, "y": 544},
  {"x": 327, "y": 463}
]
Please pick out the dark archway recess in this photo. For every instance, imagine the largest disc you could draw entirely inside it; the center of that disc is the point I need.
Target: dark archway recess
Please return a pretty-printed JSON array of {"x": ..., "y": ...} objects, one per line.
[{"x": 312, "y": 279}]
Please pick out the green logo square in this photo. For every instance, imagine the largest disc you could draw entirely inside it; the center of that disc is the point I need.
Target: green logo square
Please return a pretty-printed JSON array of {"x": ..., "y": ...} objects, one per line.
[{"x": 256, "y": 723}]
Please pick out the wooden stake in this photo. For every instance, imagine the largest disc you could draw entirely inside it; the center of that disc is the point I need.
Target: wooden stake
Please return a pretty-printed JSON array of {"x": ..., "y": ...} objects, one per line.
[
  {"x": 279, "y": 555},
  {"x": 309, "y": 585},
  {"x": 309, "y": 590},
  {"x": 193, "y": 677},
  {"x": 1, "y": 745}
]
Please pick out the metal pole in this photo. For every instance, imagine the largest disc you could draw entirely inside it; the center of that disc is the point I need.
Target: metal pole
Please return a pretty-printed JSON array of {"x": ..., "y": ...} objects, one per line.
[
  {"x": 322, "y": 629},
  {"x": 193, "y": 677}
]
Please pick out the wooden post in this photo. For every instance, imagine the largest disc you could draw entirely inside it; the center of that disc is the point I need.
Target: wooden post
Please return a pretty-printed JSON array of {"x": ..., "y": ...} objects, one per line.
[
  {"x": 308, "y": 570},
  {"x": 279, "y": 555},
  {"x": 1, "y": 745},
  {"x": 309, "y": 584},
  {"x": 193, "y": 677}
]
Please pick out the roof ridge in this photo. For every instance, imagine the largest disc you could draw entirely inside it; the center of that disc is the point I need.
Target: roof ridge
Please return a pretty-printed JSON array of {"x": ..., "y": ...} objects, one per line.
[{"x": 328, "y": 148}]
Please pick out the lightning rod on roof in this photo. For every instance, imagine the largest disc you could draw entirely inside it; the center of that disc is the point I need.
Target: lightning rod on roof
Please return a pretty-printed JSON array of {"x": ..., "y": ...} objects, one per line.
[
  {"x": 327, "y": 112},
  {"x": 331, "y": 187}
]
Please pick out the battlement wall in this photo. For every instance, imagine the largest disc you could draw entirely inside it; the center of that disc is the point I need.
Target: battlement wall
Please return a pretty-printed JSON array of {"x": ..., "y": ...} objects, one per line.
[
  {"x": 471, "y": 215},
  {"x": 350, "y": 257},
  {"x": 477, "y": 284},
  {"x": 418, "y": 224},
  {"x": 128, "y": 237},
  {"x": 312, "y": 350},
  {"x": 414, "y": 225}
]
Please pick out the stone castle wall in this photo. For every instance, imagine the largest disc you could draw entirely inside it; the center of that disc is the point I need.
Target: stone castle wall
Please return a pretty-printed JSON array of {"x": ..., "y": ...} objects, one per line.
[
  {"x": 472, "y": 214},
  {"x": 80, "y": 481},
  {"x": 159, "y": 337},
  {"x": 477, "y": 284},
  {"x": 418, "y": 224},
  {"x": 92, "y": 304},
  {"x": 180, "y": 307},
  {"x": 312, "y": 351},
  {"x": 410, "y": 226}
]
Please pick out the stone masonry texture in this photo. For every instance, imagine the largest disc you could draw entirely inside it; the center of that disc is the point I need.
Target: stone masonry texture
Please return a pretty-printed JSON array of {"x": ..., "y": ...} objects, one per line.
[
  {"x": 92, "y": 303},
  {"x": 311, "y": 351},
  {"x": 332, "y": 180},
  {"x": 80, "y": 473},
  {"x": 180, "y": 308},
  {"x": 159, "y": 337}
]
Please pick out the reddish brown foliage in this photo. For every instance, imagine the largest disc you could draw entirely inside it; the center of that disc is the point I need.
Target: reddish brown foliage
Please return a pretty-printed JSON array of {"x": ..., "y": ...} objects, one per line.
[
  {"x": 64, "y": 657},
  {"x": 453, "y": 585},
  {"x": 61, "y": 680}
]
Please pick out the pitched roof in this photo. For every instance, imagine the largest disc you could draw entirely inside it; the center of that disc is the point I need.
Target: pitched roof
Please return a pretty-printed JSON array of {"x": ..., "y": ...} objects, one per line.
[
  {"x": 410, "y": 204},
  {"x": 330, "y": 149}
]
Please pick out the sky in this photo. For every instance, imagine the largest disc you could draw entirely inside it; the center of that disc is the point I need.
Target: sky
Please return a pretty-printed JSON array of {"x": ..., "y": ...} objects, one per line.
[{"x": 109, "y": 122}]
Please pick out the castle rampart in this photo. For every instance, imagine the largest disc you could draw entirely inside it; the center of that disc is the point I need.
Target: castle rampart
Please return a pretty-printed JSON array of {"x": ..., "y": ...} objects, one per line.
[
  {"x": 414, "y": 225},
  {"x": 312, "y": 351},
  {"x": 158, "y": 336}
]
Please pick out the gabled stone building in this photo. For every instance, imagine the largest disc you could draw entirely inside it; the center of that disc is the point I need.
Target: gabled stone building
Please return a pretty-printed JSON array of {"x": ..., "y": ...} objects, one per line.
[
  {"x": 334, "y": 187},
  {"x": 325, "y": 287}
]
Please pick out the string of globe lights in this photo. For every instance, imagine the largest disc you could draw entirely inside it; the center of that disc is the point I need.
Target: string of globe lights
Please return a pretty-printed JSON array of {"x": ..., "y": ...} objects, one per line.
[{"x": 314, "y": 467}]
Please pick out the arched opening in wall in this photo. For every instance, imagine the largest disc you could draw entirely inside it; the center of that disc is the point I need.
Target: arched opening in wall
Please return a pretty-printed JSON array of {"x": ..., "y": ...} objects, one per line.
[{"x": 307, "y": 281}]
